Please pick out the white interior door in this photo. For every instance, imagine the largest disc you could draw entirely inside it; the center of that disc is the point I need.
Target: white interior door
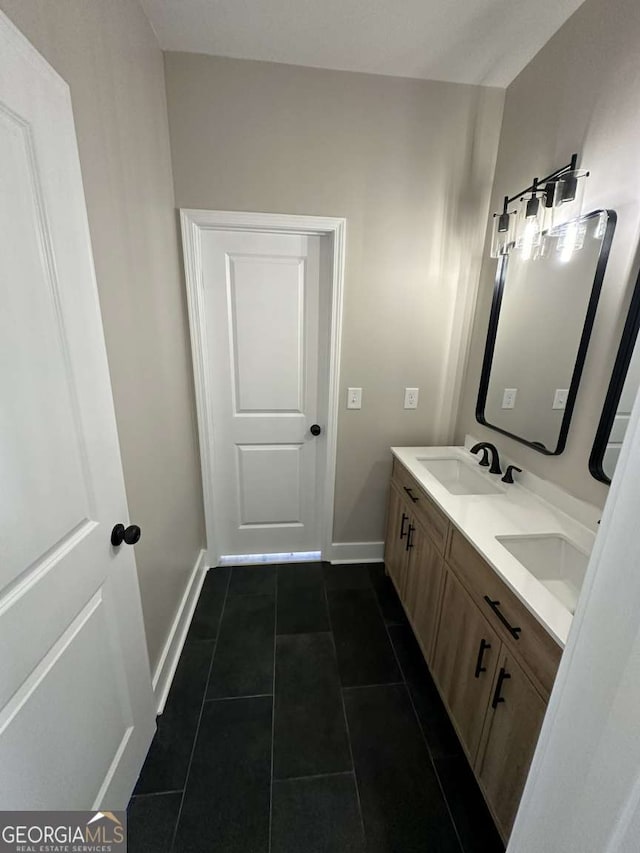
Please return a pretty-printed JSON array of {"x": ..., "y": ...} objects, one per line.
[
  {"x": 261, "y": 305},
  {"x": 76, "y": 707}
]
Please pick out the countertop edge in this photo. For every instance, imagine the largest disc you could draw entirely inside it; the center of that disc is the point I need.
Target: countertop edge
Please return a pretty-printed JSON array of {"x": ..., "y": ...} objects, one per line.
[{"x": 515, "y": 511}]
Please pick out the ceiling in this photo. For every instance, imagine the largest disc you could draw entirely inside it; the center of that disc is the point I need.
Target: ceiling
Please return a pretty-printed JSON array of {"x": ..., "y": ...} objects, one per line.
[{"x": 470, "y": 41}]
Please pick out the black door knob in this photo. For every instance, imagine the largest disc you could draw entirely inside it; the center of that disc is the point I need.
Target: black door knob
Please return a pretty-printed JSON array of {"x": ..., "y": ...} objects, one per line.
[
  {"x": 120, "y": 534},
  {"x": 315, "y": 429}
]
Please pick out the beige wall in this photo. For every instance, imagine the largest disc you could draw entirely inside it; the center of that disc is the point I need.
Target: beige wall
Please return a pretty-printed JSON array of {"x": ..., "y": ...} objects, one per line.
[
  {"x": 409, "y": 164},
  {"x": 580, "y": 93},
  {"x": 108, "y": 54}
]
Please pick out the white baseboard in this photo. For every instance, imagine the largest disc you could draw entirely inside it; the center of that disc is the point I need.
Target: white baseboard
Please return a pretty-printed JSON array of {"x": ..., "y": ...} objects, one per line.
[
  {"x": 355, "y": 552},
  {"x": 166, "y": 668}
]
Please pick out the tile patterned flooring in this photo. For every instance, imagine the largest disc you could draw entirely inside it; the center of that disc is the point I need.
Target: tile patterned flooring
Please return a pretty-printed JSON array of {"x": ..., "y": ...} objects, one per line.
[{"x": 302, "y": 718}]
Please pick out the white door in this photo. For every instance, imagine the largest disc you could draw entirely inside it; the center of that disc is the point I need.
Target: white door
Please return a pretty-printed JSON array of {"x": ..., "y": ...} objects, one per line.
[
  {"x": 261, "y": 304},
  {"x": 76, "y": 710}
]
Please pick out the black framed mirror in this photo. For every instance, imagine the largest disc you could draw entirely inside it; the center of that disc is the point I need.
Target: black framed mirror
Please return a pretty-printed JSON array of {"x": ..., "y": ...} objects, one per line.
[
  {"x": 623, "y": 387},
  {"x": 541, "y": 318}
]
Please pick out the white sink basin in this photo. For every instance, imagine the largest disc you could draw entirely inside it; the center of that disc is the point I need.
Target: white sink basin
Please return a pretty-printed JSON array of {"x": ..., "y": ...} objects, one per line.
[
  {"x": 458, "y": 478},
  {"x": 554, "y": 561}
]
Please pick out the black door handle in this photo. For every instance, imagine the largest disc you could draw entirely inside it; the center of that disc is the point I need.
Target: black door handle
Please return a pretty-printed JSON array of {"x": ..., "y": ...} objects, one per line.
[
  {"x": 411, "y": 495},
  {"x": 403, "y": 532},
  {"x": 502, "y": 677},
  {"x": 495, "y": 606},
  {"x": 315, "y": 429},
  {"x": 409, "y": 539},
  {"x": 120, "y": 534},
  {"x": 483, "y": 647}
]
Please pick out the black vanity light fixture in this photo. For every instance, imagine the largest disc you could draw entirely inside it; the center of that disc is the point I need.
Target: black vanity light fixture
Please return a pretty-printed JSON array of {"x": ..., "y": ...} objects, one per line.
[
  {"x": 547, "y": 203},
  {"x": 531, "y": 221}
]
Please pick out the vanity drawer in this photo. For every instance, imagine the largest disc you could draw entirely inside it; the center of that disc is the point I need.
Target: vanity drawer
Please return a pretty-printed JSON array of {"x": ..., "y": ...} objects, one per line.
[
  {"x": 426, "y": 512},
  {"x": 533, "y": 644}
]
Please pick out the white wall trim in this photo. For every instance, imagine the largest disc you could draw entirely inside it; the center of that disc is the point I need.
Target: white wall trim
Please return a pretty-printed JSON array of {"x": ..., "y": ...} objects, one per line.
[
  {"x": 193, "y": 223},
  {"x": 166, "y": 668},
  {"x": 354, "y": 552}
]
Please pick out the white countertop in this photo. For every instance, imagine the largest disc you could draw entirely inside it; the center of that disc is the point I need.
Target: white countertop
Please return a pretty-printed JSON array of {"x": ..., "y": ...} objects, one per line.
[{"x": 517, "y": 511}]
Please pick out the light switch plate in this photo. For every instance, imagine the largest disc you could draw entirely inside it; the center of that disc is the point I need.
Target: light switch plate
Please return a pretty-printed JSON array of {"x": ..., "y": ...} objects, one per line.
[
  {"x": 354, "y": 398},
  {"x": 509, "y": 398},
  {"x": 560, "y": 398},
  {"x": 411, "y": 398}
]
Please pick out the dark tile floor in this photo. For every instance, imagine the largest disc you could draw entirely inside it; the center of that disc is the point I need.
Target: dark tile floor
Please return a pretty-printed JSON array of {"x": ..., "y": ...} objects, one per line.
[{"x": 302, "y": 718}]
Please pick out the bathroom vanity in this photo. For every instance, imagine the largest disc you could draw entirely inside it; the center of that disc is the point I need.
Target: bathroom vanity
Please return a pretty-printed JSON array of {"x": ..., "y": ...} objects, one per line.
[{"x": 489, "y": 575}]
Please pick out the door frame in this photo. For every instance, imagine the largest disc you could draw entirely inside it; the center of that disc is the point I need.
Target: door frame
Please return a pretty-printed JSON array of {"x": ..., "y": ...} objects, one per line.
[{"x": 193, "y": 223}]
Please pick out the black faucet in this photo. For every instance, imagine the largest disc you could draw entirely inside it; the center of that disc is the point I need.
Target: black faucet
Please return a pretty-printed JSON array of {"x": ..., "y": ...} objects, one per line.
[
  {"x": 495, "y": 459},
  {"x": 508, "y": 476}
]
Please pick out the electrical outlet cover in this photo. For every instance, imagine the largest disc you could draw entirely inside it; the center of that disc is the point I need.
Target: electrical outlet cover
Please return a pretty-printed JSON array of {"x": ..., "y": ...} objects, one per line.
[
  {"x": 354, "y": 398},
  {"x": 509, "y": 398},
  {"x": 560, "y": 398},
  {"x": 411, "y": 398}
]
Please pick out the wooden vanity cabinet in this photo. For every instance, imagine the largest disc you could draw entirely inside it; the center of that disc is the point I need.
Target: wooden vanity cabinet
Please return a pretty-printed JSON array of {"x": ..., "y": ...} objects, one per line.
[
  {"x": 465, "y": 662},
  {"x": 492, "y": 661},
  {"x": 423, "y": 509},
  {"x": 505, "y": 612},
  {"x": 396, "y": 555},
  {"x": 509, "y": 739},
  {"x": 425, "y": 575},
  {"x": 415, "y": 541}
]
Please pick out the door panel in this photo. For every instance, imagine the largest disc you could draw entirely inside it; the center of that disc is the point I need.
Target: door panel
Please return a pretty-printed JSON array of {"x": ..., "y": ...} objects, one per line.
[
  {"x": 261, "y": 305},
  {"x": 415, "y": 556},
  {"x": 269, "y": 484},
  {"x": 426, "y": 591},
  {"x": 464, "y": 640},
  {"x": 38, "y": 388},
  {"x": 509, "y": 740},
  {"x": 76, "y": 706},
  {"x": 80, "y": 684},
  {"x": 395, "y": 551},
  {"x": 266, "y": 298}
]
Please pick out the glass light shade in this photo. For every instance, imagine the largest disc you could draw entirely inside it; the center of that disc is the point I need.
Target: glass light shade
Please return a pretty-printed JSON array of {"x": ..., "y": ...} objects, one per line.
[
  {"x": 530, "y": 225},
  {"x": 571, "y": 240},
  {"x": 569, "y": 196},
  {"x": 564, "y": 241},
  {"x": 502, "y": 235}
]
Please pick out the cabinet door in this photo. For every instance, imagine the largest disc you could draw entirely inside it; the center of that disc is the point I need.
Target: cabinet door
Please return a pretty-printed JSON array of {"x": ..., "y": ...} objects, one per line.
[
  {"x": 425, "y": 576},
  {"x": 508, "y": 741},
  {"x": 395, "y": 549},
  {"x": 464, "y": 663},
  {"x": 416, "y": 543}
]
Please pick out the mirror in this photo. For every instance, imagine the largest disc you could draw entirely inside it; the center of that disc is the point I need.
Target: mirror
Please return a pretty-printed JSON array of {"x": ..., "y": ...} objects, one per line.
[
  {"x": 623, "y": 387},
  {"x": 541, "y": 319}
]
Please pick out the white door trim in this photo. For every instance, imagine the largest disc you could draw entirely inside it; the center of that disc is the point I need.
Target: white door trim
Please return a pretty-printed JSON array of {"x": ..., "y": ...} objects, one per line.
[{"x": 193, "y": 223}]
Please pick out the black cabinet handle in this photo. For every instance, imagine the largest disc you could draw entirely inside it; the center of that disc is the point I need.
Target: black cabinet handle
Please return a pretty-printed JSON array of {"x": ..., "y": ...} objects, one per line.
[
  {"x": 403, "y": 532},
  {"x": 495, "y": 605},
  {"x": 483, "y": 647},
  {"x": 410, "y": 537},
  {"x": 411, "y": 495},
  {"x": 497, "y": 698}
]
